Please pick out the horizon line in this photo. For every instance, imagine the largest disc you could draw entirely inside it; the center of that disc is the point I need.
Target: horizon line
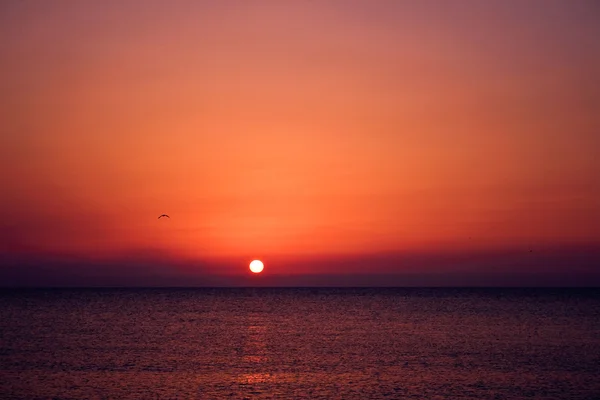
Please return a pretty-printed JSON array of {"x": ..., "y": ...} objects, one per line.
[{"x": 294, "y": 287}]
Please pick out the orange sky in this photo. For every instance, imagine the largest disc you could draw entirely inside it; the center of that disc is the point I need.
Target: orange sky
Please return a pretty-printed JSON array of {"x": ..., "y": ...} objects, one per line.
[{"x": 298, "y": 128}]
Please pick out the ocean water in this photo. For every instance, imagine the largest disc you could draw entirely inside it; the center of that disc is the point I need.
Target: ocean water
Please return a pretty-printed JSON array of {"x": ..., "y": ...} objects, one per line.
[{"x": 300, "y": 343}]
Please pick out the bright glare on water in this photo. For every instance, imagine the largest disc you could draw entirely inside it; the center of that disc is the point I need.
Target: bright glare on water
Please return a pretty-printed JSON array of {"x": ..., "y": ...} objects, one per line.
[{"x": 300, "y": 343}]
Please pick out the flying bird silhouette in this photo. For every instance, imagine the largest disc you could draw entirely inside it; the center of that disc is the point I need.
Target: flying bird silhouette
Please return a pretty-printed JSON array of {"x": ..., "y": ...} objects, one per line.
[{"x": 163, "y": 215}]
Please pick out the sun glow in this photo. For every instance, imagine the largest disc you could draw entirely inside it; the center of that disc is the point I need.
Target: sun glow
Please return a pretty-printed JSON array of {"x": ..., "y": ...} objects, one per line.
[{"x": 256, "y": 266}]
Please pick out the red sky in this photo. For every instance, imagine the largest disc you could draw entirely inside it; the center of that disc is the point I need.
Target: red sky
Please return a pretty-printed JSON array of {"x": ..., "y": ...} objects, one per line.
[{"x": 306, "y": 133}]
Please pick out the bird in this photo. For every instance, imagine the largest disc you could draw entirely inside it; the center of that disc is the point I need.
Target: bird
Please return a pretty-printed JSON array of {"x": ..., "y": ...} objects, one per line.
[{"x": 163, "y": 215}]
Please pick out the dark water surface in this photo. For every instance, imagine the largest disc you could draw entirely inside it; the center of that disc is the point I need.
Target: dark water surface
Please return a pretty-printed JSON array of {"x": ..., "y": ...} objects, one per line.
[{"x": 300, "y": 343}]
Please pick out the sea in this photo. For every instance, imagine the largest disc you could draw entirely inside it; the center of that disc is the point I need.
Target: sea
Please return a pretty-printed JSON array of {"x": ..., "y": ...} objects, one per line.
[{"x": 300, "y": 343}]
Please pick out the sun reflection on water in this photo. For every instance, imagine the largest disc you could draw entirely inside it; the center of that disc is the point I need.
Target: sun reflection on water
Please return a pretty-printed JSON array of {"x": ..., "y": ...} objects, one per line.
[
  {"x": 259, "y": 377},
  {"x": 254, "y": 351}
]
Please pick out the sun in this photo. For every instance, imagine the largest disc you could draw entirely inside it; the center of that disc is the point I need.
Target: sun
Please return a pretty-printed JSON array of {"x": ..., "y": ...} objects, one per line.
[{"x": 256, "y": 266}]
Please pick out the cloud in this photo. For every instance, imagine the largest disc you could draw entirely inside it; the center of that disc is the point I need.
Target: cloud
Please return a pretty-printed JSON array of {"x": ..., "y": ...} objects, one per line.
[
  {"x": 141, "y": 267},
  {"x": 566, "y": 266}
]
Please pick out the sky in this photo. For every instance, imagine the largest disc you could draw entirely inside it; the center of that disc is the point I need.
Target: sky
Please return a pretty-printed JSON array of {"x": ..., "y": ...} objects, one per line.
[{"x": 339, "y": 141}]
